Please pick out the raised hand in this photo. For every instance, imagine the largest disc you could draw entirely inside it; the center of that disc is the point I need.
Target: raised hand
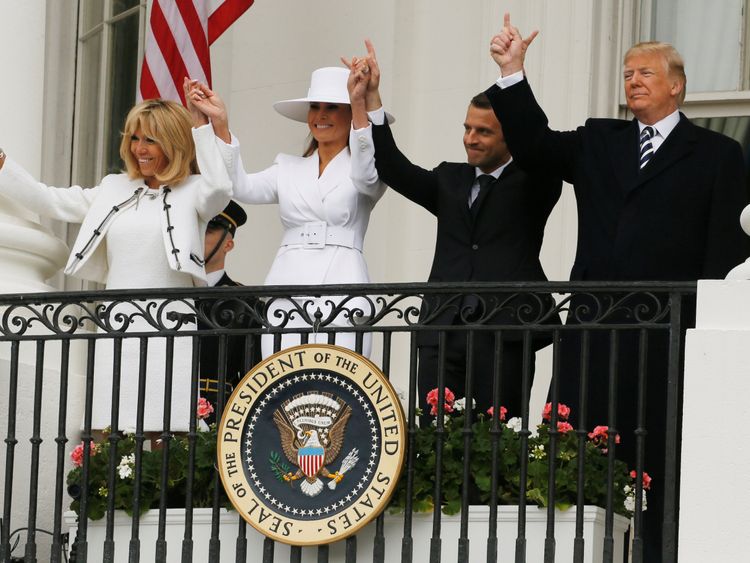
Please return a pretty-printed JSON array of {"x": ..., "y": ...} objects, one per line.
[
  {"x": 508, "y": 48},
  {"x": 359, "y": 76},
  {"x": 208, "y": 102},
  {"x": 199, "y": 118},
  {"x": 370, "y": 62},
  {"x": 373, "y": 87}
]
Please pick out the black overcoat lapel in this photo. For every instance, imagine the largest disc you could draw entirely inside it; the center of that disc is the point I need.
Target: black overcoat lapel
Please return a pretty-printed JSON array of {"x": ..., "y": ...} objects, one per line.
[{"x": 624, "y": 152}]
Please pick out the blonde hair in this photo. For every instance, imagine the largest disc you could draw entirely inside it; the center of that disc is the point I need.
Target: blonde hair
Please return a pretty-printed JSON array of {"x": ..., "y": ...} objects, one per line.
[
  {"x": 169, "y": 124},
  {"x": 675, "y": 66}
]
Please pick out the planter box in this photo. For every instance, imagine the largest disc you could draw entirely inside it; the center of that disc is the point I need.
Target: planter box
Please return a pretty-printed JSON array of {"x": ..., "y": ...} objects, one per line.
[{"x": 507, "y": 528}]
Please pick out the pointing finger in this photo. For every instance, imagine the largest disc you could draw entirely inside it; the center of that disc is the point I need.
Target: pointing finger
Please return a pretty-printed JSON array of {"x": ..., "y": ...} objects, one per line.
[{"x": 370, "y": 49}]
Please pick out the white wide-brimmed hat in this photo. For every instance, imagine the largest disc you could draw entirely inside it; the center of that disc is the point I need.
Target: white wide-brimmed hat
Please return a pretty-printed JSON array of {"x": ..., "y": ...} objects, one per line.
[{"x": 327, "y": 84}]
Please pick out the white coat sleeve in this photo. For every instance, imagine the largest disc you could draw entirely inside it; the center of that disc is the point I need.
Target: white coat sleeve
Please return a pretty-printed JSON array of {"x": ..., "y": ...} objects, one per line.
[
  {"x": 363, "y": 174},
  {"x": 64, "y": 204},
  {"x": 215, "y": 188},
  {"x": 260, "y": 187}
]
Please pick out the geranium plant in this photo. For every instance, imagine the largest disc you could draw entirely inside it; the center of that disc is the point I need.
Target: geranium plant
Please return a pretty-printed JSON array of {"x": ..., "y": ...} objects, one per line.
[
  {"x": 595, "y": 462},
  {"x": 151, "y": 470}
]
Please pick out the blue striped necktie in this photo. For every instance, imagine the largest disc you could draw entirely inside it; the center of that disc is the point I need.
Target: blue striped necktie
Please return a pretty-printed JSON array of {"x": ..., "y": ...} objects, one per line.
[{"x": 647, "y": 149}]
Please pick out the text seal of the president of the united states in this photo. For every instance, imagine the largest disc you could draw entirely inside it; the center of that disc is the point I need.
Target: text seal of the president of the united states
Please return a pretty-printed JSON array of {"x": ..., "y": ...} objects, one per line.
[{"x": 311, "y": 444}]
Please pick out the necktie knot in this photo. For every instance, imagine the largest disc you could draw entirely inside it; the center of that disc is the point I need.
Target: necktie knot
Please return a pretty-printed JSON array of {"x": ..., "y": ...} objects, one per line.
[
  {"x": 484, "y": 181},
  {"x": 647, "y": 149}
]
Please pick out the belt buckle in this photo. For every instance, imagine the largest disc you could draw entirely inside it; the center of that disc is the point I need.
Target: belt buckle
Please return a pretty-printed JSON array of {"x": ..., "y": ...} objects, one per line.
[{"x": 314, "y": 234}]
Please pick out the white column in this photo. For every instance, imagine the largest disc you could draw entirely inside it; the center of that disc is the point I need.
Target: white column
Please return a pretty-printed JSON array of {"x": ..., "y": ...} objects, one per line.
[
  {"x": 29, "y": 253},
  {"x": 713, "y": 492}
]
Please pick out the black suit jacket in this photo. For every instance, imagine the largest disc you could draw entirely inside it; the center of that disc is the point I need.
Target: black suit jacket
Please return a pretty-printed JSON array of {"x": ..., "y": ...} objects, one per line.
[
  {"x": 677, "y": 219},
  {"x": 501, "y": 243}
]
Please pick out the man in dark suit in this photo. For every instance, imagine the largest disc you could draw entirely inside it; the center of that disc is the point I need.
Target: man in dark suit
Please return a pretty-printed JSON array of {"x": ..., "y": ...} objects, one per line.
[
  {"x": 219, "y": 242},
  {"x": 490, "y": 225},
  {"x": 658, "y": 199}
]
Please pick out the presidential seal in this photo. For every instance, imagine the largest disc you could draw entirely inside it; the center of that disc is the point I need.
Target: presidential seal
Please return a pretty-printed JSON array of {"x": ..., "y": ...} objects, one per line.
[{"x": 311, "y": 444}]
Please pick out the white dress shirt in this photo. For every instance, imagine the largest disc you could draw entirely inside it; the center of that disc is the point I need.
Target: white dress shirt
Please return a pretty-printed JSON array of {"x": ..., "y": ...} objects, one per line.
[{"x": 213, "y": 277}]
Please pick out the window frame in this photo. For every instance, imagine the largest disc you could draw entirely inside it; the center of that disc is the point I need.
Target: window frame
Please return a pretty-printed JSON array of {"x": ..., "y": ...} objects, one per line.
[
  {"x": 636, "y": 18},
  {"x": 105, "y": 64}
]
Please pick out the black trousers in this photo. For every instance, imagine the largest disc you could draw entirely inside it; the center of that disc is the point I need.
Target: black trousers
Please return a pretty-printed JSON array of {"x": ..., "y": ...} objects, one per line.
[
  {"x": 510, "y": 375},
  {"x": 626, "y": 408}
]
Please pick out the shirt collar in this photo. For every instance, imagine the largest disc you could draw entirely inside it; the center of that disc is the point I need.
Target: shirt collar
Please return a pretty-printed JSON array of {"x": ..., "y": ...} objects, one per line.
[
  {"x": 664, "y": 126},
  {"x": 213, "y": 277},
  {"x": 496, "y": 173}
]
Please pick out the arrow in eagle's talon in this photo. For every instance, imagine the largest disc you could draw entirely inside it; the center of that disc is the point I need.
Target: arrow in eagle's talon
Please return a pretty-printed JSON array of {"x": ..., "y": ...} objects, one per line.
[{"x": 337, "y": 477}]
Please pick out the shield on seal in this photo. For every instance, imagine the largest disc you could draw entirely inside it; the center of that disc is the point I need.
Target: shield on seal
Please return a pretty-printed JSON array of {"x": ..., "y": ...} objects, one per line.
[{"x": 310, "y": 459}]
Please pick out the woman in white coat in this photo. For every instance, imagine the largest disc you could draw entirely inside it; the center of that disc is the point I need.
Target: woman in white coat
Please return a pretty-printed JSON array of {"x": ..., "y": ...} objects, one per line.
[
  {"x": 140, "y": 229},
  {"x": 325, "y": 197}
]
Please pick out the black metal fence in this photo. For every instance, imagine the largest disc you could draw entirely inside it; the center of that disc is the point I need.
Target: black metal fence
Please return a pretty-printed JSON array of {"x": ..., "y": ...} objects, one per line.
[{"x": 616, "y": 361}]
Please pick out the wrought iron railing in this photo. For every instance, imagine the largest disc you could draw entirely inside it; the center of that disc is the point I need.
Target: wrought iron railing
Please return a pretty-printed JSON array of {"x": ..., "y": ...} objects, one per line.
[{"x": 610, "y": 322}]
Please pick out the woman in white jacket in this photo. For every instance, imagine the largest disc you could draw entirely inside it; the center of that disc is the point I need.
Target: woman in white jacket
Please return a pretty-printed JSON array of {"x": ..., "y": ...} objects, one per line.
[
  {"x": 325, "y": 196},
  {"x": 140, "y": 229}
]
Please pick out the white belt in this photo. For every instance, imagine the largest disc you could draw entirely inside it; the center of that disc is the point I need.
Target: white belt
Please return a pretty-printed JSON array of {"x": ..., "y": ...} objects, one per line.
[{"x": 318, "y": 234}]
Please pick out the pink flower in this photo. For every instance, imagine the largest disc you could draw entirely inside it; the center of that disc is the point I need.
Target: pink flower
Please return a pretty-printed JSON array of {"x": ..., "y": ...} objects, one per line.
[
  {"x": 503, "y": 412},
  {"x": 204, "y": 408},
  {"x": 563, "y": 411},
  {"x": 432, "y": 400},
  {"x": 600, "y": 437},
  {"x": 564, "y": 427},
  {"x": 76, "y": 455},
  {"x": 646, "y": 479}
]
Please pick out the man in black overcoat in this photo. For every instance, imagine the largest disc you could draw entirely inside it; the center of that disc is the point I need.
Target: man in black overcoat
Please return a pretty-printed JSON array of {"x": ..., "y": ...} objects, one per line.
[
  {"x": 490, "y": 225},
  {"x": 658, "y": 198},
  {"x": 240, "y": 353}
]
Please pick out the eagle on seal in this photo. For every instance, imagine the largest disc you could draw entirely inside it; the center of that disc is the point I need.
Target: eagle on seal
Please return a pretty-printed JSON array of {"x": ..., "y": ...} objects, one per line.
[{"x": 311, "y": 428}]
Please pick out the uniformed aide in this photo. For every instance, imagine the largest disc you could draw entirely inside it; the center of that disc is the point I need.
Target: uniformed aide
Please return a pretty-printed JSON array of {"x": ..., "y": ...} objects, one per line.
[{"x": 223, "y": 312}]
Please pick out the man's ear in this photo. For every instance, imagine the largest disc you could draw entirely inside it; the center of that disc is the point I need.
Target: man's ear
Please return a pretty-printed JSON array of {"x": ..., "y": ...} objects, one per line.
[
  {"x": 677, "y": 87},
  {"x": 229, "y": 244}
]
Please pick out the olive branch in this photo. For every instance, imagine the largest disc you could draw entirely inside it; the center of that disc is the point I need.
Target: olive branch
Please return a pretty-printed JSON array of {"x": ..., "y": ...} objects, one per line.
[{"x": 278, "y": 467}]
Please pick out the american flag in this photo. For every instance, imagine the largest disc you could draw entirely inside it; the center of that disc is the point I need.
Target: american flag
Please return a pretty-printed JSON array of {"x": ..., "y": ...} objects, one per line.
[{"x": 177, "y": 43}]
